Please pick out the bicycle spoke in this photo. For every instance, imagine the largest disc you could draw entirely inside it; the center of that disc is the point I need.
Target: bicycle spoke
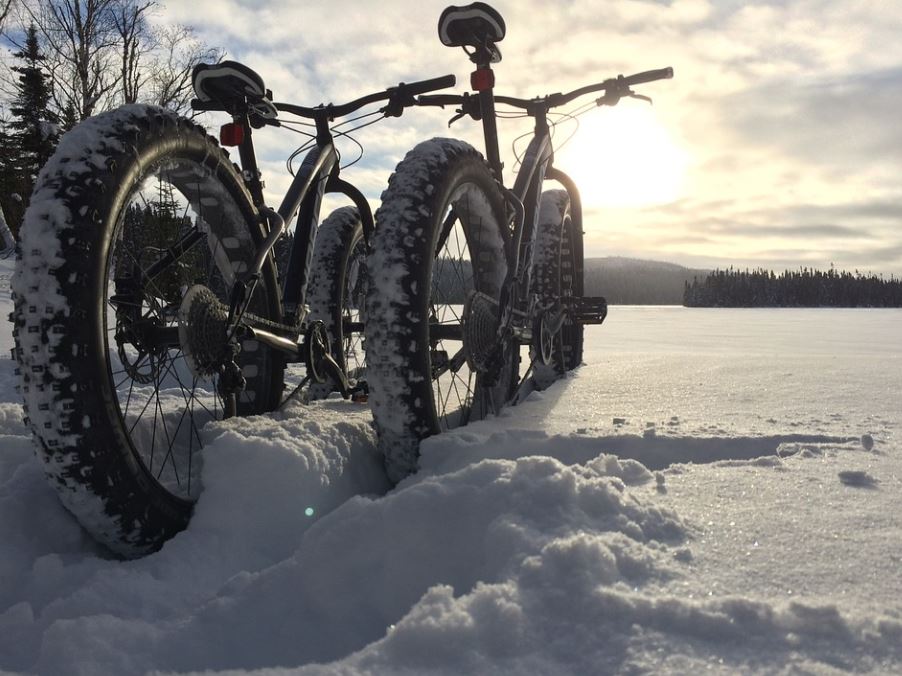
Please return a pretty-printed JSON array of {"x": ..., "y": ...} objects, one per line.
[
  {"x": 172, "y": 255},
  {"x": 140, "y": 415},
  {"x": 447, "y": 225},
  {"x": 168, "y": 441},
  {"x": 175, "y": 435},
  {"x": 454, "y": 282}
]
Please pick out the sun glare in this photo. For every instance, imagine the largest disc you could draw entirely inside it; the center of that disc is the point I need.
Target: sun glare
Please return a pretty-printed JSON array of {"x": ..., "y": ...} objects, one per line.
[{"x": 623, "y": 157}]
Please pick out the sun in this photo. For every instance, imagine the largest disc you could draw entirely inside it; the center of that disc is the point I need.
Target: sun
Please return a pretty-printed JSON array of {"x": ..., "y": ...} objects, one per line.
[{"x": 623, "y": 157}]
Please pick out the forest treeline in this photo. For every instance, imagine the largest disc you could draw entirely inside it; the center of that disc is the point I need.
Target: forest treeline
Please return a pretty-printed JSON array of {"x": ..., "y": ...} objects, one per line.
[
  {"x": 71, "y": 59},
  {"x": 792, "y": 288}
]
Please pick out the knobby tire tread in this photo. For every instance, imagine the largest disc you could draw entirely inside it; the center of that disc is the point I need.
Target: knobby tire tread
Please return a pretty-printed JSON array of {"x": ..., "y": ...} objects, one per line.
[
  {"x": 397, "y": 308},
  {"x": 337, "y": 240}
]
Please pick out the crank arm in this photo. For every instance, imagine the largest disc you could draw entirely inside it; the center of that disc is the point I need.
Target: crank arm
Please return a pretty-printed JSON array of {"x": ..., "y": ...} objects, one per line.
[
  {"x": 325, "y": 366},
  {"x": 331, "y": 367},
  {"x": 286, "y": 345}
]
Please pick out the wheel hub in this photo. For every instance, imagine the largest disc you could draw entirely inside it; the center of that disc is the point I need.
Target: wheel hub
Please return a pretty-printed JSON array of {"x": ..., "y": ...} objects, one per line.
[
  {"x": 203, "y": 323},
  {"x": 139, "y": 356}
]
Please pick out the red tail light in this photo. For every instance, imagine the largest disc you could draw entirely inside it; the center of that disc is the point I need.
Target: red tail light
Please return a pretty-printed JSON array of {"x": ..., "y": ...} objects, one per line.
[
  {"x": 231, "y": 134},
  {"x": 482, "y": 79}
]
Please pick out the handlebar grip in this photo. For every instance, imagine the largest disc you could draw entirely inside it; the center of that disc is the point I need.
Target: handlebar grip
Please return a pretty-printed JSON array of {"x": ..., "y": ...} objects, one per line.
[
  {"x": 649, "y": 76},
  {"x": 423, "y": 86},
  {"x": 440, "y": 100}
]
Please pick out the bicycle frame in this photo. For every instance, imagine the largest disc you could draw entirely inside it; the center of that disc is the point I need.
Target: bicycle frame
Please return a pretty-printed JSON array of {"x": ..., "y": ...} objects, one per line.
[
  {"x": 536, "y": 166},
  {"x": 318, "y": 175}
]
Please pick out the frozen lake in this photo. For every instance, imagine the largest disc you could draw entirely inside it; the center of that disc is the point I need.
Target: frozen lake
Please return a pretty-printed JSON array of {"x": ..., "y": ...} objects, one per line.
[
  {"x": 750, "y": 331},
  {"x": 748, "y": 371},
  {"x": 760, "y": 533}
]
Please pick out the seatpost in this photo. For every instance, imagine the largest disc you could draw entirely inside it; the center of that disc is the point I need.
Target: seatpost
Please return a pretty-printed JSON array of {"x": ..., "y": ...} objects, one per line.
[
  {"x": 249, "y": 170},
  {"x": 482, "y": 80}
]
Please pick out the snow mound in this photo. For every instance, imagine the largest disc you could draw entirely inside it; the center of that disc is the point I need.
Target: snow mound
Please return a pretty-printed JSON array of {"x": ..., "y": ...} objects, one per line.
[
  {"x": 509, "y": 531},
  {"x": 267, "y": 480}
]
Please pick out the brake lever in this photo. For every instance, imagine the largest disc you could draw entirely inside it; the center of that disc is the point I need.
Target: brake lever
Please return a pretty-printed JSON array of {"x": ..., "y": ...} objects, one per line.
[
  {"x": 612, "y": 98},
  {"x": 460, "y": 114}
]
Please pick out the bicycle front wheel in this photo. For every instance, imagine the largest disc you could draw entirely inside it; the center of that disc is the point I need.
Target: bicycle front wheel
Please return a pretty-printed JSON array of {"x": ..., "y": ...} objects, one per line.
[
  {"x": 136, "y": 231},
  {"x": 438, "y": 251}
]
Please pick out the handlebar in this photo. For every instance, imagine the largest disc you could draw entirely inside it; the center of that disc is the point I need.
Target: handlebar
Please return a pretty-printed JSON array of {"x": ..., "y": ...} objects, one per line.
[
  {"x": 398, "y": 97},
  {"x": 613, "y": 87},
  {"x": 443, "y": 99}
]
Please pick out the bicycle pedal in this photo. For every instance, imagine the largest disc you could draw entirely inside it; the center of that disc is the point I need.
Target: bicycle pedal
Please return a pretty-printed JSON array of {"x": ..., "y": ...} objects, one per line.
[
  {"x": 360, "y": 392},
  {"x": 591, "y": 309}
]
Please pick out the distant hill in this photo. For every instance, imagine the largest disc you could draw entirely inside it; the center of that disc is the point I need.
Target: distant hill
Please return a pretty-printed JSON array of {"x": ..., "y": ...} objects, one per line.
[{"x": 631, "y": 281}]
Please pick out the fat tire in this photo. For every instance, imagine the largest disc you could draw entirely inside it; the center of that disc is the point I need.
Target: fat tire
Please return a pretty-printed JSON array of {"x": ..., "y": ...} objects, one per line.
[
  {"x": 557, "y": 273},
  {"x": 63, "y": 340},
  {"x": 400, "y": 342},
  {"x": 337, "y": 289}
]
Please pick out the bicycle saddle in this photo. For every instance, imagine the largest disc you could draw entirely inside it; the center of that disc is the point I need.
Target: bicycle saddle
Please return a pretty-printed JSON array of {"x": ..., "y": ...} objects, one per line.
[
  {"x": 475, "y": 25},
  {"x": 229, "y": 82}
]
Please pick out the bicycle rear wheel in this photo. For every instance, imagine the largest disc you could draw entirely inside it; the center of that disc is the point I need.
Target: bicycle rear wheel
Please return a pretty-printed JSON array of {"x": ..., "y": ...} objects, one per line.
[
  {"x": 556, "y": 279},
  {"x": 136, "y": 230},
  {"x": 439, "y": 246},
  {"x": 337, "y": 292}
]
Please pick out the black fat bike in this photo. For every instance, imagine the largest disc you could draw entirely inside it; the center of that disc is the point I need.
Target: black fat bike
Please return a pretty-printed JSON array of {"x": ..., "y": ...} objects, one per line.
[
  {"x": 148, "y": 300},
  {"x": 473, "y": 270}
]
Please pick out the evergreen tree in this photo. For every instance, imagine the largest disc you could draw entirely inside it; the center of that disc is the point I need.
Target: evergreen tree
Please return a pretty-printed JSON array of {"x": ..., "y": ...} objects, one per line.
[
  {"x": 13, "y": 187},
  {"x": 68, "y": 118},
  {"x": 34, "y": 127}
]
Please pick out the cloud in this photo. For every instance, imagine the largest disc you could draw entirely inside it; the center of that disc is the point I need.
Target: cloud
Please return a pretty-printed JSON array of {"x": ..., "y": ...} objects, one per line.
[
  {"x": 788, "y": 112},
  {"x": 839, "y": 124}
]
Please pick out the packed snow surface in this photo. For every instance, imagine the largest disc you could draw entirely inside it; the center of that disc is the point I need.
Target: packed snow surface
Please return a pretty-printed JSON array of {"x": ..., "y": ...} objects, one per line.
[{"x": 714, "y": 490}]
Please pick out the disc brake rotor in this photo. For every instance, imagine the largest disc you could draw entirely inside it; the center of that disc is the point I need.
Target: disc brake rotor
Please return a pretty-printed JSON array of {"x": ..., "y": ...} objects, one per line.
[
  {"x": 545, "y": 339},
  {"x": 140, "y": 361}
]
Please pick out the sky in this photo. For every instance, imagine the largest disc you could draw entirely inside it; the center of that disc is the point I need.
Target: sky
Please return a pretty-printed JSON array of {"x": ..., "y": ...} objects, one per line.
[{"x": 777, "y": 144}]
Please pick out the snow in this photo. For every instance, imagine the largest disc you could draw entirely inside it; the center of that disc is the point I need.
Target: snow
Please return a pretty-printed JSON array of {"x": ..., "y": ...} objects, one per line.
[{"x": 757, "y": 530}]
